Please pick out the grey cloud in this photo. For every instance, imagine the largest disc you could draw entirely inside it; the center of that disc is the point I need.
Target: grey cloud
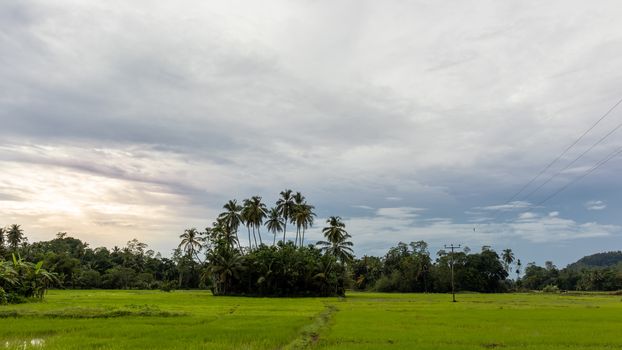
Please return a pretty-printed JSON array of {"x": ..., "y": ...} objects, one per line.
[{"x": 381, "y": 104}]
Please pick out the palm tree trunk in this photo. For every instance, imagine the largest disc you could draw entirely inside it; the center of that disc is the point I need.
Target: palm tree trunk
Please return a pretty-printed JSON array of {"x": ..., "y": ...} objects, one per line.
[
  {"x": 255, "y": 237},
  {"x": 250, "y": 243},
  {"x": 274, "y": 239},
  {"x": 302, "y": 242},
  {"x": 259, "y": 233},
  {"x": 284, "y": 231}
]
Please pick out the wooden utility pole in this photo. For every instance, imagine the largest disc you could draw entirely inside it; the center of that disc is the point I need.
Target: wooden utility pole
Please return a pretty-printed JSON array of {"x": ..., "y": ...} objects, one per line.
[{"x": 453, "y": 290}]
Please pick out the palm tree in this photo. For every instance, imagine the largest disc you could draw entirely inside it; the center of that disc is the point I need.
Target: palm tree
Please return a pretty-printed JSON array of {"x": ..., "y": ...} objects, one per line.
[
  {"x": 247, "y": 219},
  {"x": 274, "y": 223},
  {"x": 256, "y": 213},
  {"x": 508, "y": 258},
  {"x": 192, "y": 242},
  {"x": 232, "y": 217},
  {"x": 305, "y": 215},
  {"x": 221, "y": 232},
  {"x": 285, "y": 206},
  {"x": 225, "y": 264},
  {"x": 337, "y": 243},
  {"x": 1, "y": 237},
  {"x": 14, "y": 236},
  {"x": 336, "y": 229},
  {"x": 342, "y": 250}
]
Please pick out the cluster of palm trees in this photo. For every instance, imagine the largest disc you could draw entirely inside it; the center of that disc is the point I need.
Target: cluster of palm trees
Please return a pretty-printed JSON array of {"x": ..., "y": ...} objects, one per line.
[{"x": 253, "y": 213}]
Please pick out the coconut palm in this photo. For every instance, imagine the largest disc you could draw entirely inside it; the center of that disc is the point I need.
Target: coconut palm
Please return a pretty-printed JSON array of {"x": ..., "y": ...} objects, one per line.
[
  {"x": 248, "y": 220},
  {"x": 275, "y": 223},
  {"x": 304, "y": 219},
  {"x": 232, "y": 217},
  {"x": 285, "y": 206},
  {"x": 508, "y": 258},
  {"x": 225, "y": 264},
  {"x": 191, "y": 242},
  {"x": 336, "y": 229},
  {"x": 256, "y": 212},
  {"x": 342, "y": 250},
  {"x": 14, "y": 236},
  {"x": 337, "y": 243},
  {"x": 221, "y": 232}
]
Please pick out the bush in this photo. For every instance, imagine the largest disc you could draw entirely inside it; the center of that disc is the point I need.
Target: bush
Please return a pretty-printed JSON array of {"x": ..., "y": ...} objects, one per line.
[
  {"x": 167, "y": 286},
  {"x": 3, "y": 297},
  {"x": 551, "y": 289}
]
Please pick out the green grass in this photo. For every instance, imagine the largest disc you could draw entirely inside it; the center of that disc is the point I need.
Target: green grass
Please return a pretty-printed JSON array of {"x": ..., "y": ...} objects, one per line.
[{"x": 197, "y": 320}]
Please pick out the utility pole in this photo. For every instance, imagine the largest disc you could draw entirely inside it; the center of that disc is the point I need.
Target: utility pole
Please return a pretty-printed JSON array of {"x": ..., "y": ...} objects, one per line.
[{"x": 453, "y": 290}]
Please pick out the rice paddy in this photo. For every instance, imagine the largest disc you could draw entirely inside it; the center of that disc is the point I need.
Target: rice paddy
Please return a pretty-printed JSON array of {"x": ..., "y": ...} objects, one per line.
[{"x": 196, "y": 320}]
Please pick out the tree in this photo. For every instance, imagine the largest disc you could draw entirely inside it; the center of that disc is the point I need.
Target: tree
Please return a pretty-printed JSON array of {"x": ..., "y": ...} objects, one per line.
[
  {"x": 274, "y": 223},
  {"x": 508, "y": 258},
  {"x": 232, "y": 217},
  {"x": 222, "y": 233},
  {"x": 285, "y": 206},
  {"x": 14, "y": 236},
  {"x": 254, "y": 212},
  {"x": 336, "y": 229},
  {"x": 191, "y": 242},
  {"x": 337, "y": 243},
  {"x": 303, "y": 217},
  {"x": 224, "y": 265}
]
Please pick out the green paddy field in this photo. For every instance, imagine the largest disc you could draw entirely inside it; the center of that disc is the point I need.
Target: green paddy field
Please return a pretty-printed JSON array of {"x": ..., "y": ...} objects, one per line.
[{"x": 197, "y": 320}]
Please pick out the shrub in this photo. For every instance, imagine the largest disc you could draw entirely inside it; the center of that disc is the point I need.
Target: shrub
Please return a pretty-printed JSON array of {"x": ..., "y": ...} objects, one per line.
[{"x": 550, "y": 289}]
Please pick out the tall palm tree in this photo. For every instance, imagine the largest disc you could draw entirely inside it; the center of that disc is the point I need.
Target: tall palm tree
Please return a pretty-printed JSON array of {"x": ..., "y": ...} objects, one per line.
[
  {"x": 191, "y": 242},
  {"x": 232, "y": 217},
  {"x": 336, "y": 229},
  {"x": 14, "y": 236},
  {"x": 307, "y": 216},
  {"x": 337, "y": 243},
  {"x": 221, "y": 232},
  {"x": 247, "y": 219},
  {"x": 275, "y": 223},
  {"x": 285, "y": 206},
  {"x": 258, "y": 212},
  {"x": 508, "y": 258}
]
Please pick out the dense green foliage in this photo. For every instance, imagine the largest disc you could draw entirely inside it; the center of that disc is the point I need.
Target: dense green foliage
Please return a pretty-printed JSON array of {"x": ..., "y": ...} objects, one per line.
[
  {"x": 409, "y": 268},
  {"x": 94, "y": 319},
  {"x": 605, "y": 259},
  {"x": 211, "y": 259},
  {"x": 577, "y": 276},
  {"x": 275, "y": 266}
]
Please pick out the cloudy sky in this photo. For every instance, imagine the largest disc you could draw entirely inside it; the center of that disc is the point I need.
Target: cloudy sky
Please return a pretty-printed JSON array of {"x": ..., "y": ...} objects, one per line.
[{"x": 413, "y": 120}]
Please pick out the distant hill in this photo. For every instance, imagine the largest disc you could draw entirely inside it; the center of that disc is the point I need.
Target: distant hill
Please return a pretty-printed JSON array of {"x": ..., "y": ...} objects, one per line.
[{"x": 605, "y": 259}]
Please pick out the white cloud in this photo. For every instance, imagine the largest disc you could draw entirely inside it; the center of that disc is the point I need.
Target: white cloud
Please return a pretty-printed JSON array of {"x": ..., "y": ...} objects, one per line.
[
  {"x": 515, "y": 205},
  {"x": 148, "y": 132},
  {"x": 595, "y": 205}
]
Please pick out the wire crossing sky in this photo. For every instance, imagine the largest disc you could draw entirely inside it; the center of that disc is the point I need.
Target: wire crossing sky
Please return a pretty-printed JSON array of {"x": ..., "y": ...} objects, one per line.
[{"x": 411, "y": 120}]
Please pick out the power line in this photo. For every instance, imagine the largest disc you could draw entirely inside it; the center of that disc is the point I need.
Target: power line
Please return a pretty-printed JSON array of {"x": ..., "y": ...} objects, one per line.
[
  {"x": 586, "y": 173},
  {"x": 556, "y": 159},
  {"x": 598, "y": 164},
  {"x": 574, "y": 161}
]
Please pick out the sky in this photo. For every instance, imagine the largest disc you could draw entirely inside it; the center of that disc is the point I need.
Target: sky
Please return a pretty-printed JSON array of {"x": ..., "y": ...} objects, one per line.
[{"x": 412, "y": 120}]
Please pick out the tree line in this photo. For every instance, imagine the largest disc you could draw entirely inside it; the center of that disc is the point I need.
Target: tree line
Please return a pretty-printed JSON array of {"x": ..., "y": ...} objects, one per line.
[
  {"x": 276, "y": 262},
  {"x": 213, "y": 258}
]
